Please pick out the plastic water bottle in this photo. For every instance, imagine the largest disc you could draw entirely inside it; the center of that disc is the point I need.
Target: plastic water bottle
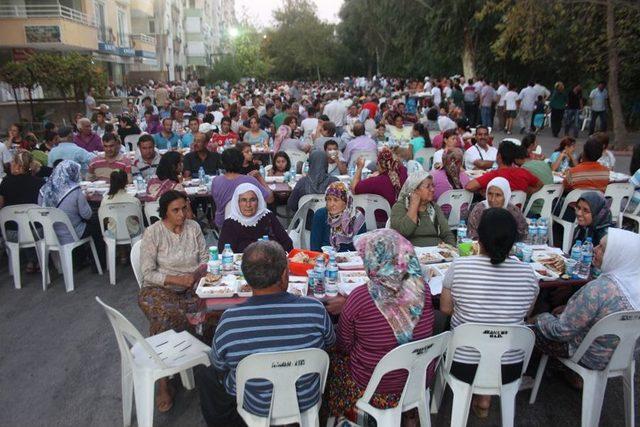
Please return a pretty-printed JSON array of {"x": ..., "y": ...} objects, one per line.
[
  {"x": 227, "y": 258},
  {"x": 352, "y": 171},
  {"x": 331, "y": 277},
  {"x": 293, "y": 171},
  {"x": 576, "y": 255},
  {"x": 462, "y": 231},
  {"x": 319, "y": 272},
  {"x": 201, "y": 175},
  {"x": 263, "y": 173},
  {"x": 265, "y": 238},
  {"x": 305, "y": 168},
  {"x": 584, "y": 267},
  {"x": 533, "y": 232},
  {"x": 140, "y": 184},
  {"x": 270, "y": 143},
  {"x": 213, "y": 266},
  {"x": 543, "y": 231}
]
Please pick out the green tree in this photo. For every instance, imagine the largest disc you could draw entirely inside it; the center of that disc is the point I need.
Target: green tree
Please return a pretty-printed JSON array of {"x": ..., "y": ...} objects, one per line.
[{"x": 16, "y": 75}]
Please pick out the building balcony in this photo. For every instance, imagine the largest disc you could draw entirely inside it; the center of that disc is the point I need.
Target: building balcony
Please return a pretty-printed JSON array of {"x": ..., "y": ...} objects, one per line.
[
  {"x": 47, "y": 26},
  {"x": 141, "y": 8},
  {"x": 144, "y": 45}
]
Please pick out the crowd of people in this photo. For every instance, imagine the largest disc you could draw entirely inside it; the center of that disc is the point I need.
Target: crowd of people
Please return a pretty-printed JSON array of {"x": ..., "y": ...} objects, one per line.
[{"x": 372, "y": 131}]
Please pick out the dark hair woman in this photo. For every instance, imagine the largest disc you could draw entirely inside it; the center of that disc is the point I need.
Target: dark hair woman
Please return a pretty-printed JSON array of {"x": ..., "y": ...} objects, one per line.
[
  {"x": 281, "y": 164},
  {"x": 169, "y": 176}
]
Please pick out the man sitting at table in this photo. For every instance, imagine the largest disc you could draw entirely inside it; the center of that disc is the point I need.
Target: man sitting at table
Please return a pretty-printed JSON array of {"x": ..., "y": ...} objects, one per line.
[
  {"x": 102, "y": 165},
  {"x": 588, "y": 174},
  {"x": 294, "y": 323},
  {"x": 519, "y": 178},
  {"x": 200, "y": 157},
  {"x": 481, "y": 155},
  {"x": 147, "y": 158},
  {"x": 361, "y": 142},
  {"x": 337, "y": 165},
  {"x": 167, "y": 139}
]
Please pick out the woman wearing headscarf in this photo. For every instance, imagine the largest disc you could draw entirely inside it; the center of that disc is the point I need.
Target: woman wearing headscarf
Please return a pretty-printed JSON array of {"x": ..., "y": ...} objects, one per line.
[
  {"x": 450, "y": 177},
  {"x": 394, "y": 308},
  {"x": 616, "y": 289},
  {"x": 250, "y": 220},
  {"x": 416, "y": 215},
  {"x": 63, "y": 191},
  {"x": 498, "y": 195},
  {"x": 593, "y": 217},
  {"x": 316, "y": 181},
  {"x": 339, "y": 222},
  {"x": 386, "y": 182}
]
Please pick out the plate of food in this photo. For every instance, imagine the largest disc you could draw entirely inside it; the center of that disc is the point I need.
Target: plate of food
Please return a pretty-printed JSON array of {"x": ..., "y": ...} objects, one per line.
[
  {"x": 544, "y": 273},
  {"x": 271, "y": 179},
  {"x": 428, "y": 255},
  {"x": 242, "y": 287},
  {"x": 349, "y": 261},
  {"x": 447, "y": 252},
  {"x": 298, "y": 285},
  {"x": 553, "y": 262},
  {"x": 216, "y": 286}
]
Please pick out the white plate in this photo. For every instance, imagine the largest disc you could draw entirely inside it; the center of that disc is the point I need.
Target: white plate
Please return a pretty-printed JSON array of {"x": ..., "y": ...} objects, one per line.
[
  {"x": 350, "y": 261},
  {"x": 208, "y": 291},
  {"x": 349, "y": 280},
  {"x": 270, "y": 179},
  {"x": 429, "y": 255},
  {"x": 298, "y": 285},
  {"x": 552, "y": 275}
]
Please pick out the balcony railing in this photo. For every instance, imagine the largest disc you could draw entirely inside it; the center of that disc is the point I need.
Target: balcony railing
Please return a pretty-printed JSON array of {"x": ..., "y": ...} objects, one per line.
[
  {"x": 144, "y": 38},
  {"x": 46, "y": 11}
]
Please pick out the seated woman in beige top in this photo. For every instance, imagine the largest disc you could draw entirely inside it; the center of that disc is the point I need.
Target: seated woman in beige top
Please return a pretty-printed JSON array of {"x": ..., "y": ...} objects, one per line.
[{"x": 173, "y": 257}]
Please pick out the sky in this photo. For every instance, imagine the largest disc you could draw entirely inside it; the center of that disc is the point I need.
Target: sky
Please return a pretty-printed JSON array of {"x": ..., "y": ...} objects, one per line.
[{"x": 260, "y": 11}]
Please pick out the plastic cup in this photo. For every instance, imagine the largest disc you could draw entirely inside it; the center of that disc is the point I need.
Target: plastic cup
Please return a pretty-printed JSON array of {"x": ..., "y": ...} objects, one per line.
[
  {"x": 465, "y": 248},
  {"x": 327, "y": 249},
  {"x": 519, "y": 247},
  {"x": 527, "y": 253},
  {"x": 570, "y": 266}
]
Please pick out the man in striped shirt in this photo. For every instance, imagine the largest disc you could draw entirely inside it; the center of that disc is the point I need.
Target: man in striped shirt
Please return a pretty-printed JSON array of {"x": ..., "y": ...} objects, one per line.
[
  {"x": 102, "y": 165},
  {"x": 589, "y": 174},
  {"x": 272, "y": 320}
]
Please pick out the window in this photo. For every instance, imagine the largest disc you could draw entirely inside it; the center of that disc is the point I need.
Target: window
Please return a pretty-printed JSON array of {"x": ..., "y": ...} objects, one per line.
[
  {"x": 152, "y": 27},
  {"x": 102, "y": 28},
  {"x": 122, "y": 29}
]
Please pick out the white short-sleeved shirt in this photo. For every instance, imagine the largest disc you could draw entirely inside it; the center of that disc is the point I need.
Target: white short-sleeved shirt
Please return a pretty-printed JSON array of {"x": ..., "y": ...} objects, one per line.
[
  {"x": 476, "y": 153},
  {"x": 309, "y": 125},
  {"x": 436, "y": 94},
  {"x": 502, "y": 90},
  {"x": 510, "y": 99},
  {"x": 528, "y": 96},
  {"x": 599, "y": 99}
]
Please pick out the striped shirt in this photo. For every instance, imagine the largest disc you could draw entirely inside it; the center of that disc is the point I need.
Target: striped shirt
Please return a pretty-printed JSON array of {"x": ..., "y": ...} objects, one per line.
[
  {"x": 487, "y": 293},
  {"x": 365, "y": 335},
  {"x": 269, "y": 323},
  {"x": 588, "y": 176},
  {"x": 100, "y": 167}
]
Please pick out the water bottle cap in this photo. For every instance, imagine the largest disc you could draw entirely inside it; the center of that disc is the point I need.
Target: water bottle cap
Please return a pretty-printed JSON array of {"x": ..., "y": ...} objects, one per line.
[
  {"x": 227, "y": 245},
  {"x": 589, "y": 239},
  {"x": 578, "y": 242}
]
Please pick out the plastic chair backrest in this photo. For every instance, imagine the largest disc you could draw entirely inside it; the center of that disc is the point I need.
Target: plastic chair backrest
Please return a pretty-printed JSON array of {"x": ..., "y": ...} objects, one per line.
[
  {"x": 456, "y": 199},
  {"x": 491, "y": 341},
  {"x": 369, "y": 156},
  {"x": 617, "y": 192},
  {"x": 47, "y": 217},
  {"x": 227, "y": 210},
  {"x": 425, "y": 157},
  {"x": 414, "y": 358},
  {"x": 548, "y": 193},
  {"x": 298, "y": 224},
  {"x": 572, "y": 197},
  {"x": 268, "y": 168},
  {"x": 626, "y": 326},
  {"x": 120, "y": 213},
  {"x": 134, "y": 257},
  {"x": 297, "y": 157},
  {"x": 18, "y": 214},
  {"x": 127, "y": 336},
  {"x": 131, "y": 142},
  {"x": 152, "y": 212},
  {"x": 370, "y": 203},
  {"x": 518, "y": 199},
  {"x": 282, "y": 369}
]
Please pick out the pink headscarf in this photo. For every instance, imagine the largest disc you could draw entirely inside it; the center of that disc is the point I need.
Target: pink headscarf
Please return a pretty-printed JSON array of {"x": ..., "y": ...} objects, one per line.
[{"x": 283, "y": 133}]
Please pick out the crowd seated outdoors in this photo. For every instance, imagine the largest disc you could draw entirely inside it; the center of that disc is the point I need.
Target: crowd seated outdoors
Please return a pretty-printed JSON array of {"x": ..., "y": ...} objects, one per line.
[{"x": 226, "y": 190}]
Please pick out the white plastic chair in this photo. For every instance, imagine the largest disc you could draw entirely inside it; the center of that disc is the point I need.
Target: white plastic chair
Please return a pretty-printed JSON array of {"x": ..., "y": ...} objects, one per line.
[
  {"x": 282, "y": 369},
  {"x": 633, "y": 216},
  {"x": 626, "y": 326},
  {"x": 414, "y": 358},
  {"x": 297, "y": 157},
  {"x": 145, "y": 360},
  {"x": 369, "y": 156},
  {"x": 297, "y": 229},
  {"x": 456, "y": 199},
  {"x": 119, "y": 213},
  {"x": 47, "y": 217},
  {"x": 18, "y": 215},
  {"x": 518, "y": 199},
  {"x": 567, "y": 227},
  {"x": 548, "y": 194},
  {"x": 425, "y": 157},
  {"x": 586, "y": 117},
  {"x": 370, "y": 203},
  {"x": 152, "y": 212},
  {"x": 131, "y": 142},
  {"x": 491, "y": 341},
  {"x": 134, "y": 256},
  {"x": 618, "y": 192}
]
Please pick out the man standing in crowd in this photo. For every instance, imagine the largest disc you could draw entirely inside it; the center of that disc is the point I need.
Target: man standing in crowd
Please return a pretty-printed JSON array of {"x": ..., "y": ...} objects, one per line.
[
  {"x": 599, "y": 97},
  {"x": 528, "y": 97},
  {"x": 337, "y": 113},
  {"x": 487, "y": 98}
]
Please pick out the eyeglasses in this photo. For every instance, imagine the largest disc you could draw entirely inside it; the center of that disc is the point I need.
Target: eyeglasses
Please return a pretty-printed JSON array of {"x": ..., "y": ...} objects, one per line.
[{"x": 254, "y": 200}]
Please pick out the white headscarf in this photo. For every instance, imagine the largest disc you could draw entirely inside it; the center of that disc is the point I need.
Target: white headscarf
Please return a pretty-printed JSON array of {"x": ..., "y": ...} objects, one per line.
[
  {"x": 236, "y": 215},
  {"x": 621, "y": 263},
  {"x": 413, "y": 181},
  {"x": 503, "y": 185}
]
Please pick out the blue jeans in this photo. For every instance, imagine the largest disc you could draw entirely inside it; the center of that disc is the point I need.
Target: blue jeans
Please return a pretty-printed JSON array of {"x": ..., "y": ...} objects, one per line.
[
  {"x": 571, "y": 122},
  {"x": 603, "y": 121},
  {"x": 486, "y": 117}
]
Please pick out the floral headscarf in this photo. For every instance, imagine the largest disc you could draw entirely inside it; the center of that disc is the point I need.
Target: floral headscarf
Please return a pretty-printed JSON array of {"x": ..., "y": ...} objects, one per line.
[
  {"x": 451, "y": 162},
  {"x": 283, "y": 133},
  {"x": 346, "y": 224},
  {"x": 389, "y": 164},
  {"x": 395, "y": 284},
  {"x": 64, "y": 179}
]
